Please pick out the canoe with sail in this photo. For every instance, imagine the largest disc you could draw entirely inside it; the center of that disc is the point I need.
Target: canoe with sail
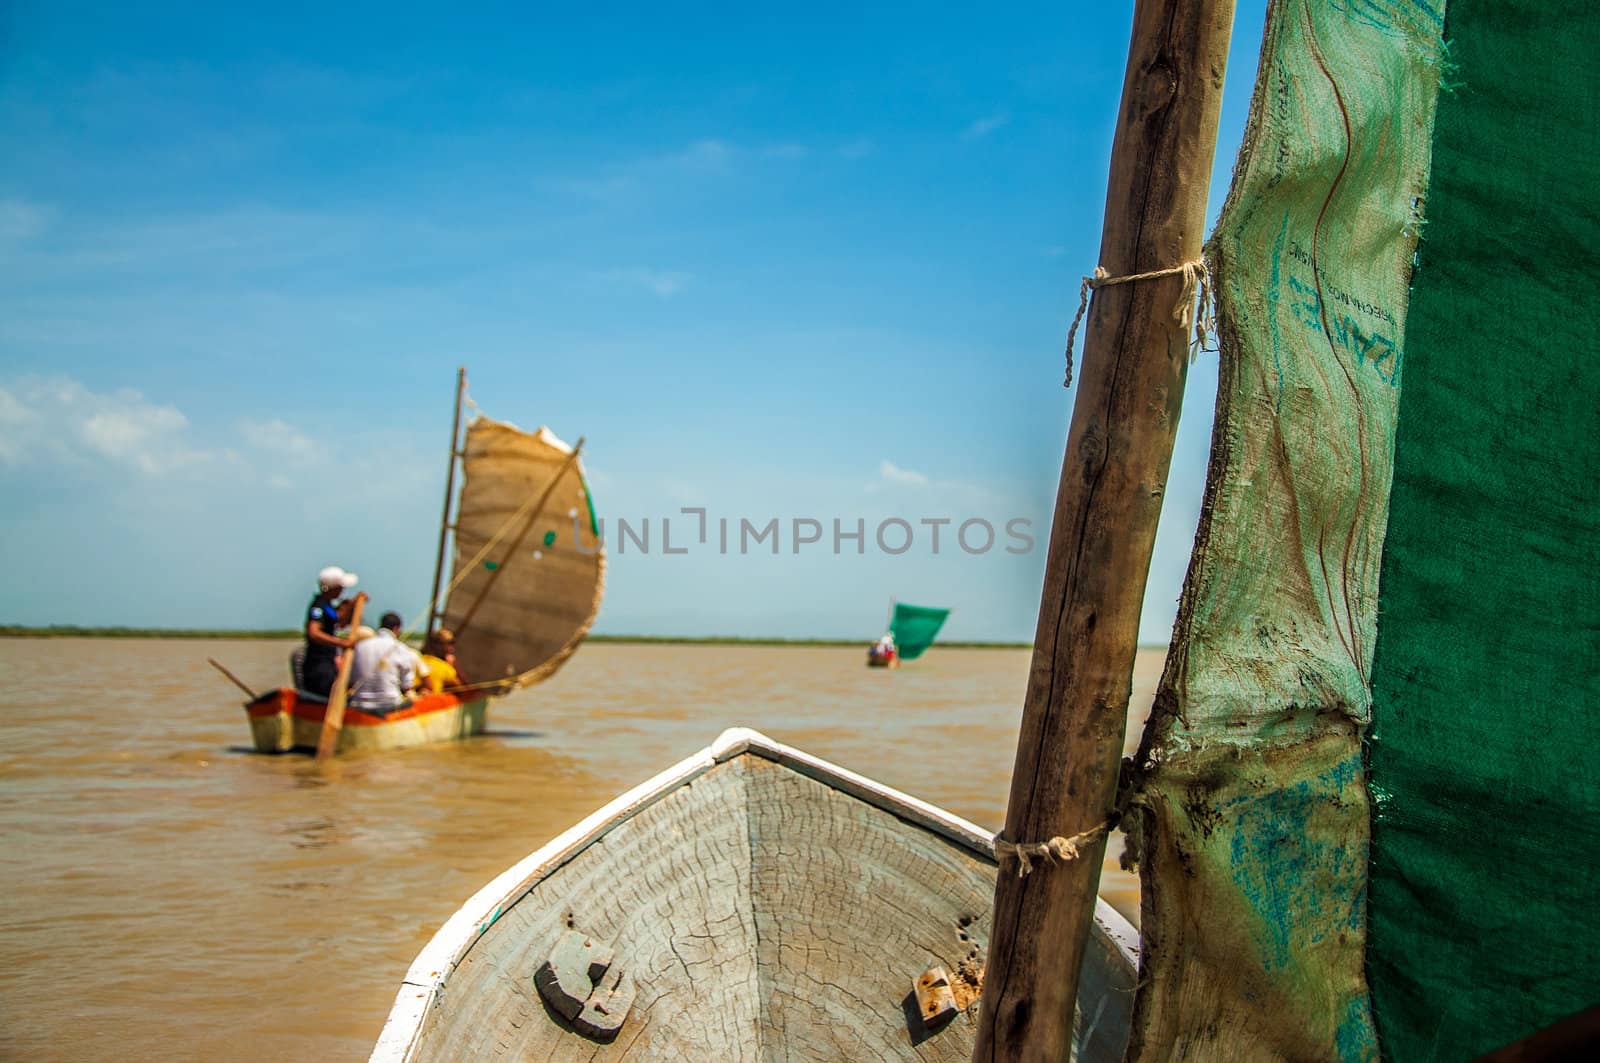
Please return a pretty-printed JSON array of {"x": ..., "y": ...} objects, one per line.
[
  {"x": 286, "y": 719},
  {"x": 527, "y": 575},
  {"x": 912, "y": 629},
  {"x": 698, "y": 916}
]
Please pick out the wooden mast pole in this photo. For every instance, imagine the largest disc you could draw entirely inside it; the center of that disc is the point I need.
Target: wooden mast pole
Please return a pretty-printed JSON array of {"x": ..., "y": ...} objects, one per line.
[
  {"x": 1113, "y": 477},
  {"x": 449, "y": 498}
]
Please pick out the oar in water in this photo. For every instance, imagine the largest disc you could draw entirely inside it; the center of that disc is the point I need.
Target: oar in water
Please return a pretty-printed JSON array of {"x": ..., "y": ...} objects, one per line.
[
  {"x": 251, "y": 694},
  {"x": 333, "y": 720}
]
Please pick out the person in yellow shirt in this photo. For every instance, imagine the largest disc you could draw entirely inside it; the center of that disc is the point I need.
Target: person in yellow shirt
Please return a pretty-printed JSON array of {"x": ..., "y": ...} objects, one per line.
[{"x": 439, "y": 663}]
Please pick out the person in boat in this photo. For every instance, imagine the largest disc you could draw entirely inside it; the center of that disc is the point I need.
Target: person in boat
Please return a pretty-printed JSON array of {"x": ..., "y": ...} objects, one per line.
[
  {"x": 883, "y": 649},
  {"x": 319, "y": 664},
  {"x": 439, "y": 663},
  {"x": 383, "y": 669}
]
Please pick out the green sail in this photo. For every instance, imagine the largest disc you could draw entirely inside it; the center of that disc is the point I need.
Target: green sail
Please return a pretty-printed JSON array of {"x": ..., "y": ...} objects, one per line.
[
  {"x": 914, "y": 628},
  {"x": 1483, "y": 771},
  {"x": 1249, "y": 812},
  {"x": 1365, "y": 807}
]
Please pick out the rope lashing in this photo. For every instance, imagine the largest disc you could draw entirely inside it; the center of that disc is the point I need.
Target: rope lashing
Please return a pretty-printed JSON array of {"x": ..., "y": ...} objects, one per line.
[
  {"x": 1196, "y": 288},
  {"x": 1056, "y": 850}
]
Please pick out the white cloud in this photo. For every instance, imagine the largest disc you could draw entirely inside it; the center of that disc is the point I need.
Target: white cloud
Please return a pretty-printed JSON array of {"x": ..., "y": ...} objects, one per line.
[
  {"x": 140, "y": 433},
  {"x": 58, "y": 418},
  {"x": 706, "y": 154},
  {"x": 986, "y": 125},
  {"x": 663, "y": 283},
  {"x": 713, "y": 153},
  {"x": 16, "y": 426},
  {"x": 893, "y": 481},
  {"x": 606, "y": 188},
  {"x": 683, "y": 492},
  {"x": 708, "y": 157},
  {"x": 278, "y": 438},
  {"x": 20, "y": 221},
  {"x": 892, "y": 473},
  {"x": 237, "y": 241}
]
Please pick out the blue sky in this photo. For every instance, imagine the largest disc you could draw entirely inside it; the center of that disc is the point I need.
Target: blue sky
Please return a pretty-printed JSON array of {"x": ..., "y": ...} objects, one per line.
[{"x": 817, "y": 263}]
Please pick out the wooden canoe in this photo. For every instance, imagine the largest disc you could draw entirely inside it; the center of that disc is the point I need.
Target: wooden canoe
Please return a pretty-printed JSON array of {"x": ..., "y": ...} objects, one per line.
[
  {"x": 286, "y": 719},
  {"x": 750, "y": 902}
]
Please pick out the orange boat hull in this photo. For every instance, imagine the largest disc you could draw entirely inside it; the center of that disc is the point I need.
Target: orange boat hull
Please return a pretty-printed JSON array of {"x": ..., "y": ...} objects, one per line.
[{"x": 285, "y": 719}]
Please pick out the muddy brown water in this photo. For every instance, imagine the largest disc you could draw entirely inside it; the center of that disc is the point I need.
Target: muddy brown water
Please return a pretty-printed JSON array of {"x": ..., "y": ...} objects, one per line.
[{"x": 167, "y": 893}]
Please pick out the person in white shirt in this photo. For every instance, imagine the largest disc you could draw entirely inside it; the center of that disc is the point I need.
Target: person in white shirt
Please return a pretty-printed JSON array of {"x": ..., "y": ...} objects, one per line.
[{"x": 383, "y": 670}]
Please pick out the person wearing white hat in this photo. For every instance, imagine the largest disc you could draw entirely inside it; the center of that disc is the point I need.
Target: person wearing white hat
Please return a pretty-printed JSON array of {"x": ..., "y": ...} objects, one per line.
[{"x": 320, "y": 666}]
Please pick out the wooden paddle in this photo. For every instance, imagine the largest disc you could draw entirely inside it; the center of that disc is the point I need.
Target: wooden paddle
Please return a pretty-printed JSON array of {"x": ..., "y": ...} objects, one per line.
[
  {"x": 333, "y": 720},
  {"x": 236, "y": 680}
]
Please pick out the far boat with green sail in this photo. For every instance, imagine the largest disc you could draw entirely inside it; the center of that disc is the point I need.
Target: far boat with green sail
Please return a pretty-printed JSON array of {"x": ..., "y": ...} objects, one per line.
[{"x": 912, "y": 629}]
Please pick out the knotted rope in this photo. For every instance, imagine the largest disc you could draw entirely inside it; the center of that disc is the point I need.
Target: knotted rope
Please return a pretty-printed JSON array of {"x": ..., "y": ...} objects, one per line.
[
  {"x": 1196, "y": 289},
  {"x": 1056, "y": 850}
]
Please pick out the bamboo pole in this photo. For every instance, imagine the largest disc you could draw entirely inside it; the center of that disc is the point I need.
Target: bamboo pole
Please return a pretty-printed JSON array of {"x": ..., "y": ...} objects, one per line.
[
  {"x": 572, "y": 459},
  {"x": 333, "y": 719},
  {"x": 449, "y": 497},
  {"x": 1113, "y": 477}
]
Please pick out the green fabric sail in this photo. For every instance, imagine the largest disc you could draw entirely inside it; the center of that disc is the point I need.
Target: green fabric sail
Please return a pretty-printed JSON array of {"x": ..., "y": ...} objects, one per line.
[
  {"x": 1248, "y": 811},
  {"x": 1367, "y": 803},
  {"x": 1483, "y": 769},
  {"x": 914, "y": 628}
]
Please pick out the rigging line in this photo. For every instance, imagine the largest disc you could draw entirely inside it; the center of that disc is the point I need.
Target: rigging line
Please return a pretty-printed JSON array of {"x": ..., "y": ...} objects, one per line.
[{"x": 1200, "y": 320}]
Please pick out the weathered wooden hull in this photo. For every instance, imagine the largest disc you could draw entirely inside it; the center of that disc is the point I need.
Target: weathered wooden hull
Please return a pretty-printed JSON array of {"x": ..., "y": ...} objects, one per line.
[
  {"x": 284, "y": 719},
  {"x": 763, "y": 904}
]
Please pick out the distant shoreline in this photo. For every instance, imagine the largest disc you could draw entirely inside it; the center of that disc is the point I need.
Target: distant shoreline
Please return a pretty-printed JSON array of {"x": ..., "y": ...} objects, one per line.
[{"x": 72, "y": 631}]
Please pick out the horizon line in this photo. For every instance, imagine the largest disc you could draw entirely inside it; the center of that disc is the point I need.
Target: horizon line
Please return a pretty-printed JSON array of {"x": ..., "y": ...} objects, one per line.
[{"x": 126, "y": 631}]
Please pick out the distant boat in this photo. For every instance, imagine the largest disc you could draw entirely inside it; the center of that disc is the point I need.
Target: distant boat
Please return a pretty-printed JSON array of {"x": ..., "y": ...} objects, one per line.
[
  {"x": 527, "y": 575},
  {"x": 750, "y": 902},
  {"x": 912, "y": 629}
]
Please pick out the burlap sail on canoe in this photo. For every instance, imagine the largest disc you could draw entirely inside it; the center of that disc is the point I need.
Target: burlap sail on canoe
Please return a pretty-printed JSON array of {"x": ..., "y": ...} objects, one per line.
[
  {"x": 1372, "y": 764},
  {"x": 529, "y": 567},
  {"x": 1250, "y": 815}
]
